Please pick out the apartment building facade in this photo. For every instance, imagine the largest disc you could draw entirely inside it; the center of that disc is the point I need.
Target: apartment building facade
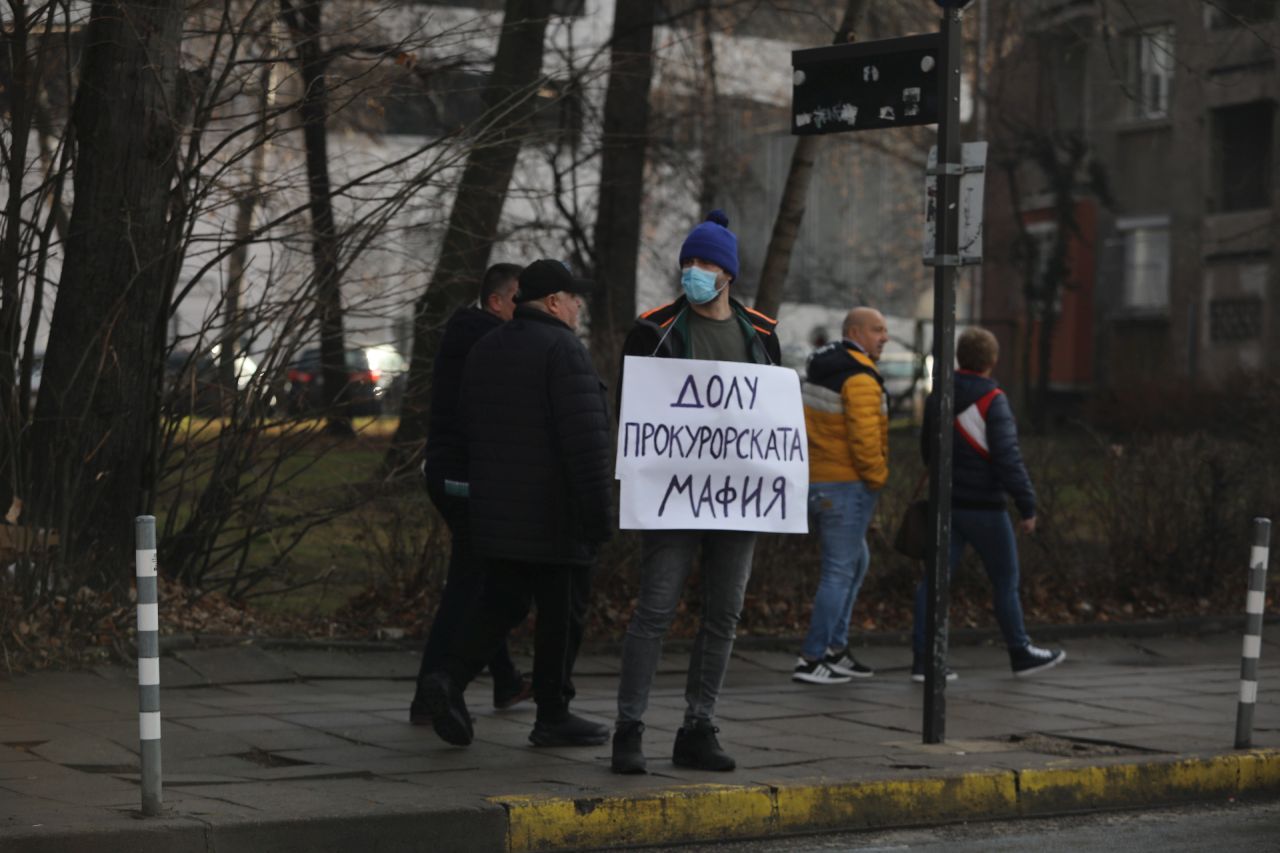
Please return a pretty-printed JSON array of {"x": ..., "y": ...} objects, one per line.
[{"x": 1143, "y": 133}]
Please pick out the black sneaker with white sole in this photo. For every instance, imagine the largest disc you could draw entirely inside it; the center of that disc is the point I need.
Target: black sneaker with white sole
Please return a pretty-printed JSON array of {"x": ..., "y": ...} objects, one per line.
[
  {"x": 917, "y": 670},
  {"x": 1030, "y": 659},
  {"x": 817, "y": 672},
  {"x": 842, "y": 662}
]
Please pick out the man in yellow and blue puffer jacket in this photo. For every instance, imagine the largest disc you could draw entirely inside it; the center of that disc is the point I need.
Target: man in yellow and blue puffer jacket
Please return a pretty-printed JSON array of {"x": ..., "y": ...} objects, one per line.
[{"x": 847, "y": 418}]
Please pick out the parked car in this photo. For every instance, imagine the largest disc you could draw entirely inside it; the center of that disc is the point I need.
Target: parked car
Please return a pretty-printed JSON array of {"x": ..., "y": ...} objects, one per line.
[
  {"x": 907, "y": 380},
  {"x": 193, "y": 384},
  {"x": 375, "y": 381}
]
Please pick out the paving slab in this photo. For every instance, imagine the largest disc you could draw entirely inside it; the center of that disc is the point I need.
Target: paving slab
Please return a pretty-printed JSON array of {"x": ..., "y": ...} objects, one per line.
[
  {"x": 310, "y": 749},
  {"x": 235, "y": 665}
]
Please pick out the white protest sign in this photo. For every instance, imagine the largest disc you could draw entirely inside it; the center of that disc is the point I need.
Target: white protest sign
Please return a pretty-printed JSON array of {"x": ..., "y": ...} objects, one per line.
[{"x": 712, "y": 445}]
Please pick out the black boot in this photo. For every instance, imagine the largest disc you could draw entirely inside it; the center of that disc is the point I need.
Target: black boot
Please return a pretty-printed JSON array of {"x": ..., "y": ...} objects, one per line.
[
  {"x": 697, "y": 747},
  {"x": 445, "y": 707},
  {"x": 627, "y": 755},
  {"x": 568, "y": 730}
]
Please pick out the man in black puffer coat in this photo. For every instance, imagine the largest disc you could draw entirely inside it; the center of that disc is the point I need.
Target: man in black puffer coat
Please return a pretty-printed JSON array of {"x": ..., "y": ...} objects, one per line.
[
  {"x": 541, "y": 481},
  {"x": 445, "y": 472}
]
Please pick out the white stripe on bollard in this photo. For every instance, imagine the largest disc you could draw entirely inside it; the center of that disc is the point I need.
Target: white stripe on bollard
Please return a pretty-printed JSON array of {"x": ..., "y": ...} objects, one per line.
[
  {"x": 1252, "y": 646},
  {"x": 1249, "y": 692},
  {"x": 144, "y": 562},
  {"x": 1257, "y": 556},
  {"x": 148, "y": 617},
  {"x": 1255, "y": 603},
  {"x": 149, "y": 725},
  {"x": 148, "y": 672}
]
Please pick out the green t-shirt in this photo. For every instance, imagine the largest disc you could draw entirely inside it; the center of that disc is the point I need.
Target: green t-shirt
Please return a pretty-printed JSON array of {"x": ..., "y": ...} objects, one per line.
[{"x": 716, "y": 340}]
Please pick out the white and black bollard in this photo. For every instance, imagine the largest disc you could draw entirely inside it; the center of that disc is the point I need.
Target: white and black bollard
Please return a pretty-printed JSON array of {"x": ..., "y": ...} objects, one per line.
[
  {"x": 1254, "y": 607},
  {"x": 148, "y": 661}
]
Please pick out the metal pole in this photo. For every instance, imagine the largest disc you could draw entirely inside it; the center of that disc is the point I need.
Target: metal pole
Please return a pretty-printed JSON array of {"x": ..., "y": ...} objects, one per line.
[
  {"x": 946, "y": 266},
  {"x": 148, "y": 662},
  {"x": 1254, "y": 606}
]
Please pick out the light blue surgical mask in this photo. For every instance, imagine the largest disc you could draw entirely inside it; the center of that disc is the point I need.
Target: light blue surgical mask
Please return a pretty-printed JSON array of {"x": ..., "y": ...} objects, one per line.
[{"x": 699, "y": 285}]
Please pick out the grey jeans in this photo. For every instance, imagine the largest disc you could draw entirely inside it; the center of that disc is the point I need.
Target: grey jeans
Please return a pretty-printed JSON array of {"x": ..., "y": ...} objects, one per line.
[{"x": 667, "y": 560}]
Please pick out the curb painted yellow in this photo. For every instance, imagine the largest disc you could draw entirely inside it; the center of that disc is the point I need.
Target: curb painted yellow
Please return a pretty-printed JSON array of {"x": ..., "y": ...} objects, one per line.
[
  {"x": 896, "y": 801},
  {"x": 696, "y": 812},
  {"x": 716, "y": 812},
  {"x": 1116, "y": 785},
  {"x": 1259, "y": 770}
]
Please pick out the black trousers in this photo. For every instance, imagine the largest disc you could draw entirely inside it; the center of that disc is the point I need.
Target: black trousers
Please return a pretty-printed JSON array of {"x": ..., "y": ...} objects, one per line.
[
  {"x": 462, "y": 587},
  {"x": 560, "y": 593}
]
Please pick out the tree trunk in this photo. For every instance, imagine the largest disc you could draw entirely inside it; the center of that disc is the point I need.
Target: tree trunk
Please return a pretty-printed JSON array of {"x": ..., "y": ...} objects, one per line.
[
  {"x": 710, "y": 112},
  {"x": 96, "y": 416},
  {"x": 626, "y": 136},
  {"x": 777, "y": 259},
  {"x": 304, "y": 21},
  {"x": 237, "y": 260},
  {"x": 477, "y": 209},
  {"x": 12, "y": 407}
]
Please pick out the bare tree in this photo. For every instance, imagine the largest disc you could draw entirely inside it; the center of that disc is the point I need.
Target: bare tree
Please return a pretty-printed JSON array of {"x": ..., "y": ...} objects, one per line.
[
  {"x": 477, "y": 208},
  {"x": 786, "y": 227},
  {"x": 95, "y": 419},
  {"x": 625, "y": 139},
  {"x": 304, "y": 22}
]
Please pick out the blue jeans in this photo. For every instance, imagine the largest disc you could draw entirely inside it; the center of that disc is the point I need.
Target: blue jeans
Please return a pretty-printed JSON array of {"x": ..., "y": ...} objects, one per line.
[
  {"x": 842, "y": 512},
  {"x": 990, "y": 533},
  {"x": 665, "y": 565}
]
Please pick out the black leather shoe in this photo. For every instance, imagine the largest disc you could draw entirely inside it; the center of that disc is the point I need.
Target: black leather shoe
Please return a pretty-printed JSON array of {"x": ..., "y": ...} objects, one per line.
[
  {"x": 569, "y": 730},
  {"x": 698, "y": 747},
  {"x": 446, "y": 709},
  {"x": 627, "y": 755}
]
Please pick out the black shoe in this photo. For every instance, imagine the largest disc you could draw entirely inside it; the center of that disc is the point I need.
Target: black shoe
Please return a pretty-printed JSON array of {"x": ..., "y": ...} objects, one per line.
[
  {"x": 506, "y": 695},
  {"x": 698, "y": 747},
  {"x": 569, "y": 730},
  {"x": 917, "y": 670},
  {"x": 842, "y": 662},
  {"x": 627, "y": 755},
  {"x": 1030, "y": 659},
  {"x": 446, "y": 709}
]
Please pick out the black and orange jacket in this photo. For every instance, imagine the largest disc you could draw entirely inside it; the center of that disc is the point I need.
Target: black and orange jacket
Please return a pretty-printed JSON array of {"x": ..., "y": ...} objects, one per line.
[
  {"x": 664, "y": 333},
  {"x": 846, "y": 416}
]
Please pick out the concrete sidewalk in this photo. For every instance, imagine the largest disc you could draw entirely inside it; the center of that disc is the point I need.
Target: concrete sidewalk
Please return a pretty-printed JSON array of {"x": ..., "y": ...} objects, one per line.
[{"x": 309, "y": 750}]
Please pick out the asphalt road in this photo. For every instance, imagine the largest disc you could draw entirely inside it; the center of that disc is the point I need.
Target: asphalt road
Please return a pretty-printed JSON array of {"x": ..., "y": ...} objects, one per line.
[{"x": 1253, "y": 827}]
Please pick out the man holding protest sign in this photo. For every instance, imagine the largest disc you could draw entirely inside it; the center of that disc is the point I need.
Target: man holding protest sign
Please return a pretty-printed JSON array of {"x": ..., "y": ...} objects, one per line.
[
  {"x": 538, "y": 435},
  {"x": 703, "y": 324},
  {"x": 847, "y": 421}
]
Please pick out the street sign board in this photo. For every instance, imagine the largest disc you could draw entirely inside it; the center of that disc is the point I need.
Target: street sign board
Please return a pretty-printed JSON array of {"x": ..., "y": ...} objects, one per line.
[
  {"x": 972, "y": 190},
  {"x": 866, "y": 85}
]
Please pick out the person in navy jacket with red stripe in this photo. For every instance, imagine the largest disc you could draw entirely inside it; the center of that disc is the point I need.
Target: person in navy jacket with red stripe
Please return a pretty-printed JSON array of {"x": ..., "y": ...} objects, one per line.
[{"x": 987, "y": 466}]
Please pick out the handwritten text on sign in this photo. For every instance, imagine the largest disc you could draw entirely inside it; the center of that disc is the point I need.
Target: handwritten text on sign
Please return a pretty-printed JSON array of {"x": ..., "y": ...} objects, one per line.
[{"x": 712, "y": 445}]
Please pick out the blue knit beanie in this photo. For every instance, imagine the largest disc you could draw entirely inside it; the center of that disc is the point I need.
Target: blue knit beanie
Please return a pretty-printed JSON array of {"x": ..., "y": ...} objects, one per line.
[{"x": 712, "y": 241}]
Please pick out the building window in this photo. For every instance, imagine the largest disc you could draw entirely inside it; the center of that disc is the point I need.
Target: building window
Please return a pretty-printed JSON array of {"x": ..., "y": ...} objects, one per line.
[
  {"x": 1235, "y": 320},
  {"x": 1149, "y": 75},
  {"x": 1225, "y": 14},
  {"x": 1242, "y": 137},
  {"x": 1146, "y": 263}
]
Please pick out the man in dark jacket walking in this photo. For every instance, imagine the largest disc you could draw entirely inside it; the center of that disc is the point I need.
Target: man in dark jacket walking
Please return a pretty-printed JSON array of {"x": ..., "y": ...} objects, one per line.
[
  {"x": 540, "y": 478},
  {"x": 704, "y": 323},
  {"x": 445, "y": 472},
  {"x": 986, "y": 465}
]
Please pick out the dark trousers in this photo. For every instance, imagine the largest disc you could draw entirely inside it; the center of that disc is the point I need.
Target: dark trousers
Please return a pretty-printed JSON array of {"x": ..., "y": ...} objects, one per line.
[
  {"x": 560, "y": 593},
  {"x": 462, "y": 588}
]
